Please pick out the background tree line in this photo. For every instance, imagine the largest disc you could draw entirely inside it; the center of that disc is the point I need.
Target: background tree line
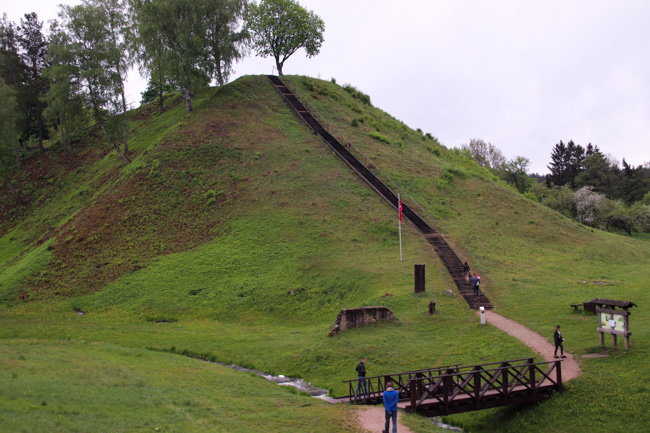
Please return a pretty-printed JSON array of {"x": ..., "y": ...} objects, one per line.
[
  {"x": 56, "y": 83},
  {"x": 583, "y": 184}
]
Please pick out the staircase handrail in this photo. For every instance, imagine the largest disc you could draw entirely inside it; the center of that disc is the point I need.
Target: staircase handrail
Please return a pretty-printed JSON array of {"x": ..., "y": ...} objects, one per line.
[{"x": 330, "y": 129}]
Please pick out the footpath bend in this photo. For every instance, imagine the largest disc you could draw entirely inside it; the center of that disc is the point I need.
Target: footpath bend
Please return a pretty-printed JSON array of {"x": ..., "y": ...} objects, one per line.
[{"x": 371, "y": 418}]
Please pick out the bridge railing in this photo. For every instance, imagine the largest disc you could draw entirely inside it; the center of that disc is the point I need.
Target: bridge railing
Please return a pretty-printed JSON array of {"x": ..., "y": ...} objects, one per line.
[
  {"x": 480, "y": 387},
  {"x": 376, "y": 385}
]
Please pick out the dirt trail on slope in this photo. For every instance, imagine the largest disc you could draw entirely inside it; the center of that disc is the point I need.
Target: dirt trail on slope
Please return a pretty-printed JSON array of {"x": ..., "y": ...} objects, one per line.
[
  {"x": 570, "y": 368},
  {"x": 371, "y": 418}
]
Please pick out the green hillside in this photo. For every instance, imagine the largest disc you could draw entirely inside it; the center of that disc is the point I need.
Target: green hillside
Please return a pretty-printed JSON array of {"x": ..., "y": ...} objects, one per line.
[{"x": 237, "y": 235}]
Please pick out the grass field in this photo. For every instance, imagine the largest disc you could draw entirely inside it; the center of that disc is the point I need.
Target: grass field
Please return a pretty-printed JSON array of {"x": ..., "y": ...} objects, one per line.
[{"x": 197, "y": 246}]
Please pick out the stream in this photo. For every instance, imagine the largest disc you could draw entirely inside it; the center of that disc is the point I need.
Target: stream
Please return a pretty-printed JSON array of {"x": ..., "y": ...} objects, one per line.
[{"x": 301, "y": 385}]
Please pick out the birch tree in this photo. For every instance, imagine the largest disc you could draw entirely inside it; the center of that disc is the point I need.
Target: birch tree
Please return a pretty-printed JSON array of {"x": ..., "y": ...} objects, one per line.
[
  {"x": 64, "y": 99},
  {"x": 190, "y": 42},
  {"x": 98, "y": 31}
]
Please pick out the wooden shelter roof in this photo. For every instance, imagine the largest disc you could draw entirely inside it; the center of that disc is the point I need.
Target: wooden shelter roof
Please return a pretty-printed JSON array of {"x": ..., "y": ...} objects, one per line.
[{"x": 613, "y": 303}]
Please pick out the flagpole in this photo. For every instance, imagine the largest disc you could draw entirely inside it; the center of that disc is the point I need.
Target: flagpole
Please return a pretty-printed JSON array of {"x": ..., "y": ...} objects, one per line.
[{"x": 400, "y": 226}]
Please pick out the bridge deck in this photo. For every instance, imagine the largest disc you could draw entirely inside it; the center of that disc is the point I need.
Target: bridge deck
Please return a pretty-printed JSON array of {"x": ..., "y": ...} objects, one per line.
[{"x": 454, "y": 389}]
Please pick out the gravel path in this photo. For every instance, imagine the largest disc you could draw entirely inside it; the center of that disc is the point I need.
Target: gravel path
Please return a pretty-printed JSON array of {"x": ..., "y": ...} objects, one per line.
[
  {"x": 371, "y": 418},
  {"x": 570, "y": 368}
]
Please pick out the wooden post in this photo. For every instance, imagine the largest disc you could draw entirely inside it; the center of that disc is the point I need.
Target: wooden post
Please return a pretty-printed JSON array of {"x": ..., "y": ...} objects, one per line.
[
  {"x": 432, "y": 307},
  {"x": 446, "y": 391},
  {"x": 613, "y": 340},
  {"x": 558, "y": 375},
  {"x": 504, "y": 379},
  {"x": 477, "y": 388},
  {"x": 414, "y": 398},
  {"x": 533, "y": 384},
  {"x": 626, "y": 328},
  {"x": 419, "y": 279},
  {"x": 602, "y": 338}
]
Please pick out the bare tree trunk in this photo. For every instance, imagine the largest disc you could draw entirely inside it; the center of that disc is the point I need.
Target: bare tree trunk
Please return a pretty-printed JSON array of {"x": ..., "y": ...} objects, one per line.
[
  {"x": 15, "y": 146},
  {"x": 161, "y": 100},
  {"x": 278, "y": 65},
  {"x": 115, "y": 146},
  {"x": 126, "y": 118},
  {"x": 40, "y": 131},
  {"x": 188, "y": 99},
  {"x": 161, "y": 83},
  {"x": 93, "y": 99},
  {"x": 64, "y": 135},
  {"x": 13, "y": 189}
]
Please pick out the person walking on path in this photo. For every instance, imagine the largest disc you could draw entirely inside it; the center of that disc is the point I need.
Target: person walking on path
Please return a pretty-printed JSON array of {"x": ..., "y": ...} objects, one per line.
[
  {"x": 390, "y": 403},
  {"x": 466, "y": 270},
  {"x": 361, "y": 376},
  {"x": 558, "y": 339},
  {"x": 476, "y": 280}
]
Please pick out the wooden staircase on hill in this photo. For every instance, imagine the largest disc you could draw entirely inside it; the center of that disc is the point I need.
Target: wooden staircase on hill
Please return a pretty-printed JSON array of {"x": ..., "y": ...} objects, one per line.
[{"x": 447, "y": 255}]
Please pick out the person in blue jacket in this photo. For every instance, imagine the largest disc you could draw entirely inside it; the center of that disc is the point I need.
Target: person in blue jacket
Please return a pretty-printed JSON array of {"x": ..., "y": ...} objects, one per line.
[{"x": 390, "y": 403}]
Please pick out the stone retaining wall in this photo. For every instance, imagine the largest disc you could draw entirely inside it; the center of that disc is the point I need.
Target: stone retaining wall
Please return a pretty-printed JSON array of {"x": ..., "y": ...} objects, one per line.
[{"x": 354, "y": 317}]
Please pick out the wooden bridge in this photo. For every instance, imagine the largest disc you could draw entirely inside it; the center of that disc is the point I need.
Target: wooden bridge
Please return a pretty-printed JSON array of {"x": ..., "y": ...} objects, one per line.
[
  {"x": 451, "y": 261},
  {"x": 454, "y": 389}
]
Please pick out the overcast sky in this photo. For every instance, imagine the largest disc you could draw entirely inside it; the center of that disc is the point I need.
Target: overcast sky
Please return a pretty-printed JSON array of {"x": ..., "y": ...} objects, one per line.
[{"x": 519, "y": 74}]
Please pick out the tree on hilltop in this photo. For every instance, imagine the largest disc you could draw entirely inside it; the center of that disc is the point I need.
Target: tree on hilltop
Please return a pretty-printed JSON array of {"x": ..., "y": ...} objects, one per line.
[
  {"x": 279, "y": 28},
  {"x": 514, "y": 172},
  {"x": 227, "y": 42},
  {"x": 65, "y": 102},
  {"x": 486, "y": 154},
  {"x": 189, "y": 42},
  {"x": 100, "y": 40}
]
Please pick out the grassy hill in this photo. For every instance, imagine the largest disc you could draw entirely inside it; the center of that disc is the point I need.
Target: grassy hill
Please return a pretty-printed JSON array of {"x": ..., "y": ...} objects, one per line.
[{"x": 236, "y": 235}]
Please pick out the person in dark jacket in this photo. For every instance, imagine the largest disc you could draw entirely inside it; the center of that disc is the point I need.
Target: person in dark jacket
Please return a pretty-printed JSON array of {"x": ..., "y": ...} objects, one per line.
[
  {"x": 476, "y": 280},
  {"x": 361, "y": 376},
  {"x": 558, "y": 339},
  {"x": 466, "y": 270},
  {"x": 390, "y": 403}
]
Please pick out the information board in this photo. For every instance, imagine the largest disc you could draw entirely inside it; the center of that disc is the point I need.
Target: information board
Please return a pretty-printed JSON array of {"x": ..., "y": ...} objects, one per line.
[{"x": 609, "y": 319}]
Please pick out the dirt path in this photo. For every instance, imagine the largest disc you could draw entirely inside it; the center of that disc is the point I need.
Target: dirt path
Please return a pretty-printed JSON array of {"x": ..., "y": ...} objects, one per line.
[
  {"x": 570, "y": 368},
  {"x": 371, "y": 418}
]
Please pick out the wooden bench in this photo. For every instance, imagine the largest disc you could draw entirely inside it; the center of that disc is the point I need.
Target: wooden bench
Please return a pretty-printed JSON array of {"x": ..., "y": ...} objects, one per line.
[{"x": 588, "y": 306}]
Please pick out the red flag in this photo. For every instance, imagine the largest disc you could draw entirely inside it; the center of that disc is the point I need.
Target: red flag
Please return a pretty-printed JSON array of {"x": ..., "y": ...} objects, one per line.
[{"x": 400, "y": 209}]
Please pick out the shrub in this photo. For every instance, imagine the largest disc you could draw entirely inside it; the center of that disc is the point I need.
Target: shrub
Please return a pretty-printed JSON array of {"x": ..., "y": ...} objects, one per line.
[
  {"x": 379, "y": 137},
  {"x": 530, "y": 196},
  {"x": 356, "y": 94}
]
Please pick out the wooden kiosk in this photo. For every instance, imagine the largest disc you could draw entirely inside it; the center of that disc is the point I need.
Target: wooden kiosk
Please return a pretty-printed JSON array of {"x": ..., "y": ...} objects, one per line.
[{"x": 613, "y": 321}]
